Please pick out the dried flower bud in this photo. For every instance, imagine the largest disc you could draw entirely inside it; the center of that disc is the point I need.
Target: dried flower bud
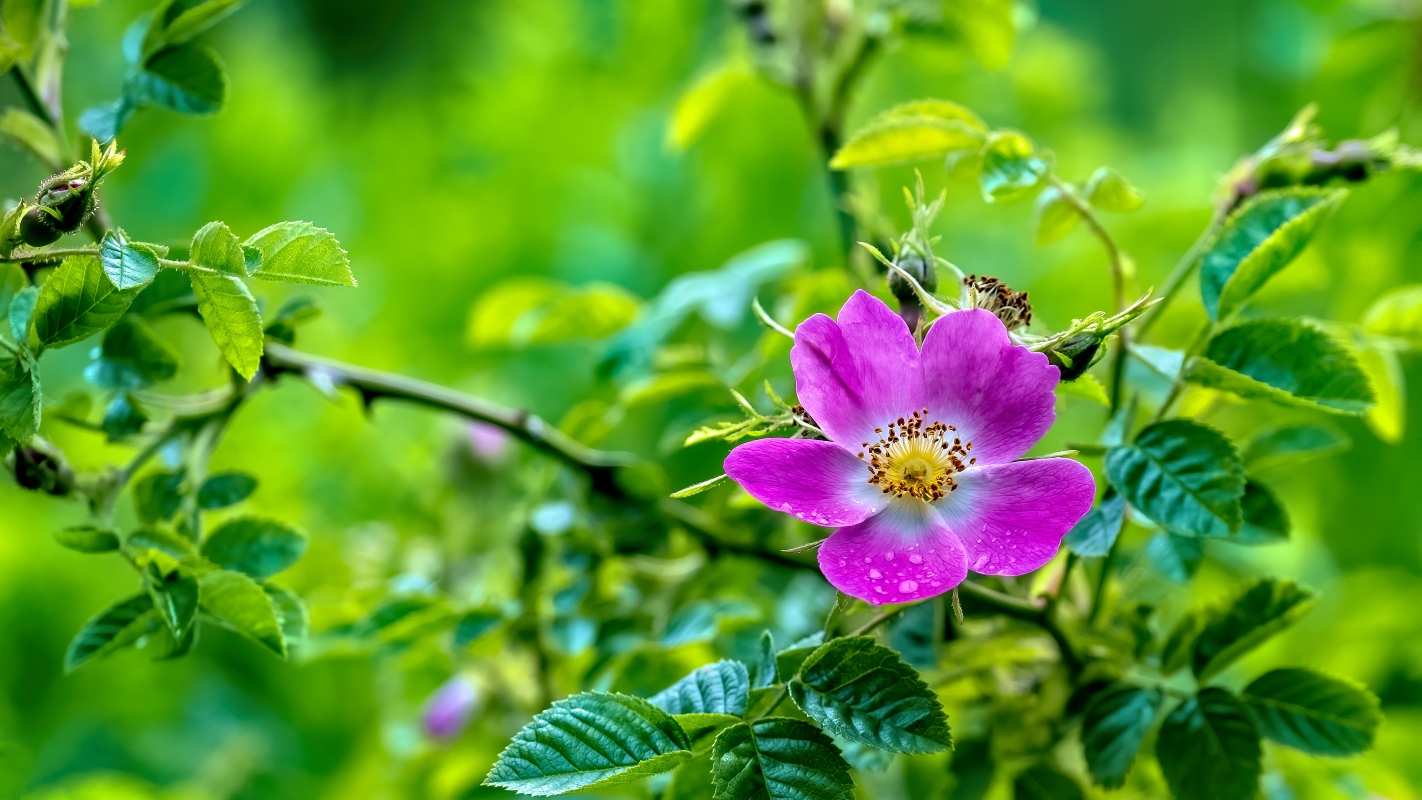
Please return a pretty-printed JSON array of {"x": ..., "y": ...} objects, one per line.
[
  {"x": 992, "y": 294},
  {"x": 40, "y": 471}
]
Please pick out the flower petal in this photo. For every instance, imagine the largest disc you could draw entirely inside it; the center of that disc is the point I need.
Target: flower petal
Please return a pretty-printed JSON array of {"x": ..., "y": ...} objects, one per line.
[
  {"x": 902, "y": 554},
  {"x": 1011, "y": 517},
  {"x": 858, "y": 373},
  {"x": 815, "y": 481},
  {"x": 999, "y": 395}
]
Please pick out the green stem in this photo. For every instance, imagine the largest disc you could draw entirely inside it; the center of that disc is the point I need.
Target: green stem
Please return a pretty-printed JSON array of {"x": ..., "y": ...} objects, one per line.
[
  {"x": 1100, "y": 593},
  {"x": 47, "y": 256},
  {"x": 1178, "y": 384}
]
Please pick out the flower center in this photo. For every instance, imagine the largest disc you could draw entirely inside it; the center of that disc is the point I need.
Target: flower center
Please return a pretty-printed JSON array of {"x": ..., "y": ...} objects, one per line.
[{"x": 917, "y": 458}]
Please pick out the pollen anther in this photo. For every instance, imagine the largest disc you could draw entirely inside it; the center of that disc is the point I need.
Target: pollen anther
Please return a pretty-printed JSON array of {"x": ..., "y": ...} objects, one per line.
[{"x": 916, "y": 459}]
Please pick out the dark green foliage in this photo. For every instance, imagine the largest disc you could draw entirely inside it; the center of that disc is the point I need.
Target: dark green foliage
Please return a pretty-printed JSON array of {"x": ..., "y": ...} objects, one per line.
[
  {"x": 1208, "y": 748},
  {"x": 1183, "y": 475},
  {"x": 1115, "y": 723},
  {"x": 1312, "y": 712},
  {"x": 778, "y": 759},
  {"x": 257, "y": 547},
  {"x": 1261, "y": 611}
]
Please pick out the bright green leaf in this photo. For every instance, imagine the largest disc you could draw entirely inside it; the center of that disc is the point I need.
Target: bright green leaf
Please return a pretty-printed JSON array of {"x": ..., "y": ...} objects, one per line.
[
  {"x": 217, "y": 248},
  {"x": 716, "y": 689},
  {"x": 1287, "y": 362},
  {"x": 1293, "y": 444},
  {"x": 112, "y": 629},
  {"x": 986, "y": 27},
  {"x": 257, "y": 547},
  {"x": 21, "y": 403},
  {"x": 299, "y": 252},
  {"x": 778, "y": 759},
  {"x": 1113, "y": 727},
  {"x": 1183, "y": 475},
  {"x": 1208, "y": 748},
  {"x": 1312, "y": 712},
  {"x": 860, "y": 690},
  {"x": 176, "y": 599},
  {"x": 592, "y": 740},
  {"x": 1179, "y": 647},
  {"x": 291, "y": 614},
  {"x": 1263, "y": 610},
  {"x": 31, "y": 133},
  {"x": 1398, "y": 315},
  {"x": 188, "y": 79},
  {"x": 906, "y": 138},
  {"x": 77, "y": 301},
  {"x": 241, "y": 604},
  {"x": 129, "y": 265},
  {"x": 1259, "y": 240},
  {"x": 701, "y": 103},
  {"x": 1388, "y": 417},
  {"x": 1053, "y": 215},
  {"x": 1109, "y": 190},
  {"x": 232, "y": 319},
  {"x": 88, "y": 539},
  {"x": 1011, "y": 166}
]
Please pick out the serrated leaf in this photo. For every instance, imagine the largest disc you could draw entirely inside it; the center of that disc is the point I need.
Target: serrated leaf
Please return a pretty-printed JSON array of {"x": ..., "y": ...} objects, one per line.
[
  {"x": 112, "y": 629},
  {"x": 1042, "y": 782},
  {"x": 21, "y": 309},
  {"x": 226, "y": 489},
  {"x": 77, "y": 301},
  {"x": 232, "y": 319},
  {"x": 906, "y": 138},
  {"x": 1265, "y": 521},
  {"x": 591, "y": 740},
  {"x": 1314, "y": 713},
  {"x": 1261, "y": 611},
  {"x": 1053, "y": 215},
  {"x": 778, "y": 759},
  {"x": 859, "y": 690},
  {"x": 1094, "y": 534},
  {"x": 291, "y": 614},
  {"x": 715, "y": 689},
  {"x": 188, "y": 79},
  {"x": 1109, "y": 190},
  {"x": 242, "y": 604},
  {"x": 1258, "y": 241},
  {"x": 88, "y": 539},
  {"x": 1011, "y": 166},
  {"x": 1183, "y": 475},
  {"x": 1208, "y": 748},
  {"x": 217, "y": 248},
  {"x": 1287, "y": 362},
  {"x": 20, "y": 397},
  {"x": 1176, "y": 557},
  {"x": 1294, "y": 444},
  {"x": 764, "y": 672},
  {"x": 1113, "y": 728},
  {"x": 299, "y": 252},
  {"x": 1398, "y": 315},
  {"x": 257, "y": 547},
  {"x": 129, "y": 265}
]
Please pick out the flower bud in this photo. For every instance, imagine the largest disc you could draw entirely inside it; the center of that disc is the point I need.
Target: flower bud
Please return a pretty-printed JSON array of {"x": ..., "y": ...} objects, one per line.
[
  {"x": 40, "y": 471},
  {"x": 450, "y": 708},
  {"x": 1076, "y": 355},
  {"x": 37, "y": 227},
  {"x": 923, "y": 272}
]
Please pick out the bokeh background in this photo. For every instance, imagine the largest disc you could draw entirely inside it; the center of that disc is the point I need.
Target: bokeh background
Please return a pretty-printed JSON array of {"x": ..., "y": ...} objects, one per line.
[{"x": 455, "y": 144}]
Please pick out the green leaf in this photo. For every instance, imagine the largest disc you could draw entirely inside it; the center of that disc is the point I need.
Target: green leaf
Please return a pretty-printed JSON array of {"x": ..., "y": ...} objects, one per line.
[
  {"x": 232, "y": 319},
  {"x": 291, "y": 614},
  {"x": 719, "y": 689},
  {"x": 1388, "y": 417},
  {"x": 175, "y": 596},
  {"x": 1261, "y": 611},
  {"x": 123, "y": 418},
  {"x": 257, "y": 547},
  {"x": 299, "y": 252},
  {"x": 20, "y": 397},
  {"x": 31, "y": 133},
  {"x": 986, "y": 27},
  {"x": 1053, "y": 215},
  {"x": 861, "y": 691},
  {"x": 112, "y": 629},
  {"x": 1183, "y": 475},
  {"x": 905, "y": 138},
  {"x": 1093, "y": 534},
  {"x": 158, "y": 496},
  {"x": 226, "y": 489},
  {"x": 188, "y": 79},
  {"x": 973, "y": 767},
  {"x": 1208, "y": 748},
  {"x": 1176, "y": 557},
  {"x": 474, "y": 624},
  {"x": 88, "y": 539},
  {"x": 129, "y": 265},
  {"x": 789, "y": 660},
  {"x": 1011, "y": 166},
  {"x": 1294, "y": 444},
  {"x": 765, "y": 672},
  {"x": 1179, "y": 646},
  {"x": 1259, "y": 240},
  {"x": 778, "y": 759},
  {"x": 133, "y": 356},
  {"x": 591, "y": 740},
  {"x": 1265, "y": 521},
  {"x": 243, "y": 605},
  {"x": 20, "y": 312},
  {"x": 1109, "y": 190},
  {"x": 177, "y": 21},
  {"x": 77, "y": 301},
  {"x": 172, "y": 544},
  {"x": 1314, "y": 713},
  {"x": 1042, "y": 782},
  {"x": 528, "y": 311},
  {"x": 1285, "y": 361},
  {"x": 106, "y": 120},
  {"x": 701, "y": 103},
  {"x": 1398, "y": 315},
  {"x": 1112, "y": 729},
  {"x": 217, "y": 248}
]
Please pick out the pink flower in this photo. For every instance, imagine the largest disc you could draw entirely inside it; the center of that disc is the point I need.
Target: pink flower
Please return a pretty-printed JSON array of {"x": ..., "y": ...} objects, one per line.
[
  {"x": 450, "y": 708},
  {"x": 920, "y": 474}
]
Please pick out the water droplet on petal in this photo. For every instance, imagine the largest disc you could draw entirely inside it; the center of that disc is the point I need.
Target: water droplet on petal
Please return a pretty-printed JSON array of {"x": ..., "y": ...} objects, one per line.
[
  {"x": 908, "y": 586},
  {"x": 889, "y": 556},
  {"x": 915, "y": 558},
  {"x": 879, "y": 589},
  {"x": 875, "y": 574}
]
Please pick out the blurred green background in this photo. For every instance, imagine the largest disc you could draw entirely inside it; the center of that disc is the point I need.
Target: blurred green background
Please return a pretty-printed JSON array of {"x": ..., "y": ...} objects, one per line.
[{"x": 452, "y": 145}]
